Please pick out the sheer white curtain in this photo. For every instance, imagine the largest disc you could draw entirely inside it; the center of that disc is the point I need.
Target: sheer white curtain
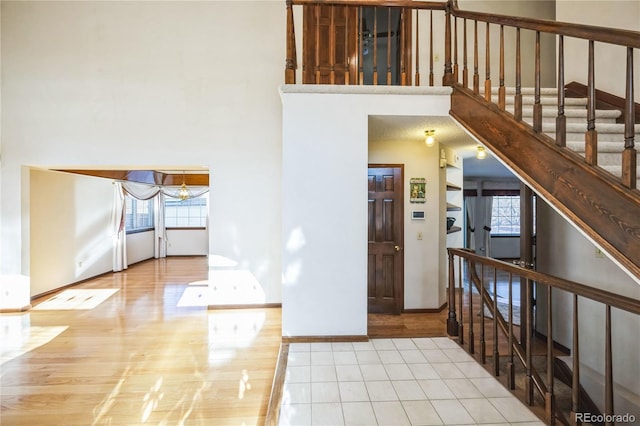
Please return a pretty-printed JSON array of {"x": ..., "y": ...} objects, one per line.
[
  {"x": 470, "y": 204},
  {"x": 194, "y": 191},
  {"x": 486, "y": 216},
  {"x": 160, "y": 230},
  {"x": 141, "y": 191},
  {"x": 484, "y": 206},
  {"x": 118, "y": 229}
]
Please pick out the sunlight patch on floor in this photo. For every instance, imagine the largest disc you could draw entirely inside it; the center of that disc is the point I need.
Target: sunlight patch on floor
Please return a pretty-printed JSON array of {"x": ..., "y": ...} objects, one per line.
[
  {"x": 195, "y": 296},
  {"x": 18, "y": 337},
  {"x": 76, "y": 299}
]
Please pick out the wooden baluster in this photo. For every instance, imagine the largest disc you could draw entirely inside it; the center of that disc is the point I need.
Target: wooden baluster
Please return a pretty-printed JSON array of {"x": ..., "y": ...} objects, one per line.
[
  {"x": 332, "y": 45},
  {"x": 472, "y": 350},
  {"x": 417, "y": 47},
  {"x": 549, "y": 398},
  {"x": 561, "y": 119},
  {"x": 537, "y": 106},
  {"x": 403, "y": 68},
  {"x": 388, "y": 46},
  {"x": 487, "y": 62},
  {"x": 461, "y": 299},
  {"x": 447, "y": 79},
  {"x": 517, "y": 101},
  {"x": 483, "y": 346},
  {"x": 496, "y": 354},
  {"x": 511, "y": 372},
  {"x": 431, "y": 48},
  {"x": 347, "y": 74},
  {"x": 629, "y": 155},
  {"x": 452, "y": 323},
  {"x": 291, "y": 61},
  {"x": 591, "y": 136},
  {"x": 455, "y": 49},
  {"x": 608, "y": 381},
  {"x": 476, "y": 76},
  {"x": 502, "y": 92},
  {"x": 575, "y": 352},
  {"x": 361, "y": 50},
  {"x": 529, "y": 343},
  {"x": 375, "y": 46},
  {"x": 317, "y": 46},
  {"x": 465, "y": 70}
]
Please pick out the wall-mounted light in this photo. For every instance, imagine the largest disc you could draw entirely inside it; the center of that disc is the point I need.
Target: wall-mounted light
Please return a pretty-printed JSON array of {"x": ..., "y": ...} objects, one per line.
[
  {"x": 429, "y": 140},
  {"x": 481, "y": 153}
]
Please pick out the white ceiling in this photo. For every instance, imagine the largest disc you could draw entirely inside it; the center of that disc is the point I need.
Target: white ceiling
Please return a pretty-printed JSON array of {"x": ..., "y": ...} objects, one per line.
[{"x": 447, "y": 132}]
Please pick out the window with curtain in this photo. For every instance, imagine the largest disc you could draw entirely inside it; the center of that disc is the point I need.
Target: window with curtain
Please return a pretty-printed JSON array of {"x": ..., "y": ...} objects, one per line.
[
  {"x": 505, "y": 215},
  {"x": 190, "y": 213},
  {"x": 138, "y": 214}
]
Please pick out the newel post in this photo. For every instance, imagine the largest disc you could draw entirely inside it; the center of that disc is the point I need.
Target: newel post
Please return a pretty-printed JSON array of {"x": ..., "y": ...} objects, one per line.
[
  {"x": 448, "y": 78},
  {"x": 452, "y": 323},
  {"x": 291, "y": 61}
]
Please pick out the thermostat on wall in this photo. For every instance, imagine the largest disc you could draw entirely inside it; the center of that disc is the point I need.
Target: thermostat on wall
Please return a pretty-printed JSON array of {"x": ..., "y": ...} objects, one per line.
[{"x": 417, "y": 215}]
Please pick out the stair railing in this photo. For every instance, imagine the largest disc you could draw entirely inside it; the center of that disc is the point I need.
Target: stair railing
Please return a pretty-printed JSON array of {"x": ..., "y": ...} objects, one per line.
[
  {"x": 478, "y": 282},
  {"x": 456, "y": 42}
]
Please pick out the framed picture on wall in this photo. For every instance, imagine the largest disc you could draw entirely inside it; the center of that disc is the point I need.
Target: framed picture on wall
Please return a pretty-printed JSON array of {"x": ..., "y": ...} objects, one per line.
[{"x": 417, "y": 190}]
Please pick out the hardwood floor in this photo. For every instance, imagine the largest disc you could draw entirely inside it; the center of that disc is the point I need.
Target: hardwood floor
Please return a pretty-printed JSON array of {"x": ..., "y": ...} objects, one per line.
[{"x": 145, "y": 355}]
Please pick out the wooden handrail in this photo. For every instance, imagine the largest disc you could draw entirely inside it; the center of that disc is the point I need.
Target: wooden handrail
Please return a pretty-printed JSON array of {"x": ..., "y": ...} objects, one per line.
[
  {"x": 605, "y": 297},
  {"x": 587, "y": 32}
]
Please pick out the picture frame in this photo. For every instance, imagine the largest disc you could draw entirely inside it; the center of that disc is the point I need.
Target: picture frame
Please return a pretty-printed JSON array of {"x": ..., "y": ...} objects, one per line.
[{"x": 417, "y": 190}]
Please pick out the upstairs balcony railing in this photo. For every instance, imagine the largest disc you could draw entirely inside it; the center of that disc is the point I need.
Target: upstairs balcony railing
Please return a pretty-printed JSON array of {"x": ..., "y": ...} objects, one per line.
[{"x": 391, "y": 42}]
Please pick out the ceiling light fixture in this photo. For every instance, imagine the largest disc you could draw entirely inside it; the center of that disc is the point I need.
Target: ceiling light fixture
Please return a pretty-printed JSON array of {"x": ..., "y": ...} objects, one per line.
[
  {"x": 481, "y": 154},
  {"x": 183, "y": 192},
  {"x": 428, "y": 137}
]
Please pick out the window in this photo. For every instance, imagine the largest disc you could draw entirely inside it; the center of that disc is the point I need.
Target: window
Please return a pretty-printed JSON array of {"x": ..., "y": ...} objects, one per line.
[
  {"x": 191, "y": 213},
  {"x": 505, "y": 215},
  {"x": 139, "y": 214}
]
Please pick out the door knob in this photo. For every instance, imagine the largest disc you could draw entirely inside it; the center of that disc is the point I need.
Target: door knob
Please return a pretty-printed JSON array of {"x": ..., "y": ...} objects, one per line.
[{"x": 397, "y": 248}]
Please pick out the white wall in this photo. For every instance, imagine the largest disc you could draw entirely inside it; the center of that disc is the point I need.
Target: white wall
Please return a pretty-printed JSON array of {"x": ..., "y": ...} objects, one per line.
[
  {"x": 421, "y": 257},
  {"x": 566, "y": 253},
  {"x": 70, "y": 228},
  {"x": 187, "y": 242},
  {"x": 324, "y": 186},
  {"x": 140, "y": 246},
  {"x": 100, "y": 84},
  {"x": 610, "y": 61}
]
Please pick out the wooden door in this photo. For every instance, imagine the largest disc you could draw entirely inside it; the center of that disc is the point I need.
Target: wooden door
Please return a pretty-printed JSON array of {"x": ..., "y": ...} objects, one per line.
[
  {"x": 329, "y": 44},
  {"x": 385, "y": 229}
]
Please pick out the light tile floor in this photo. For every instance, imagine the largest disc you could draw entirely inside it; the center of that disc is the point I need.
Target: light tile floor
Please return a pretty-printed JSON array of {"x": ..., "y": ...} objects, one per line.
[{"x": 420, "y": 381}]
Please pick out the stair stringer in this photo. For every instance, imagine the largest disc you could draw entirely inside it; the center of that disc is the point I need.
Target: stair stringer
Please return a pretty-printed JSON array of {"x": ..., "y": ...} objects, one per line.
[{"x": 590, "y": 198}]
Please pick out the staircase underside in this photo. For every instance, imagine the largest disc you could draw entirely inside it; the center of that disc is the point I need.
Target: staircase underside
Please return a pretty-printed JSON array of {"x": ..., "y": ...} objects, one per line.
[{"x": 593, "y": 199}]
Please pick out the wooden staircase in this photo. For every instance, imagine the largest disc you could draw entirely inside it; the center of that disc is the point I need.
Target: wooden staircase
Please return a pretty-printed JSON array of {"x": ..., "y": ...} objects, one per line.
[
  {"x": 610, "y": 132},
  {"x": 590, "y": 196}
]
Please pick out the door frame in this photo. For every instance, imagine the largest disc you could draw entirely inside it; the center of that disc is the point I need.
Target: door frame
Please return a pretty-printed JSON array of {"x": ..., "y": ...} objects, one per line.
[{"x": 398, "y": 286}]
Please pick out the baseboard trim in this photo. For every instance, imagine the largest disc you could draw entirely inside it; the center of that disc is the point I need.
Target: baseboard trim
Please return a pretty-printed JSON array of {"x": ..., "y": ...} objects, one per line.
[
  {"x": 275, "y": 398},
  {"x": 15, "y": 310},
  {"x": 245, "y": 306},
  {"x": 426, "y": 311},
  {"x": 314, "y": 339}
]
